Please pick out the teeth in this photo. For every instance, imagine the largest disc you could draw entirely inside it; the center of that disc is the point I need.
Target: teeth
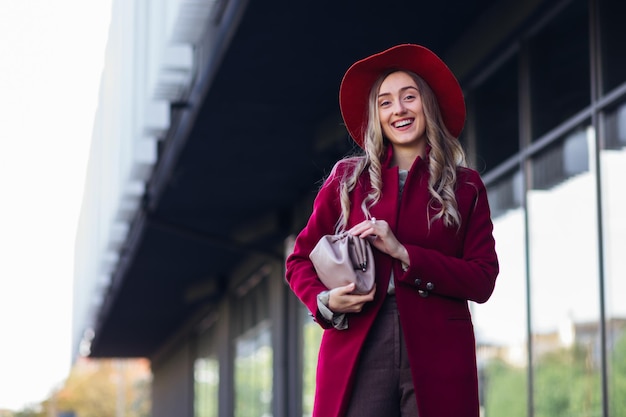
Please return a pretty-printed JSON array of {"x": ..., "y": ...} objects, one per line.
[{"x": 402, "y": 123}]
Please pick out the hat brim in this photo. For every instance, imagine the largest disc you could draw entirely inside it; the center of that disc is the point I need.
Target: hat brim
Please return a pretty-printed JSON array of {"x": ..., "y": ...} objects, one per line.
[{"x": 358, "y": 80}]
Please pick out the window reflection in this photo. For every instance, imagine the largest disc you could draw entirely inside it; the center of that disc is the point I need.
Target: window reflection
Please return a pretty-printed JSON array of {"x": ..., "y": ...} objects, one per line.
[
  {"x": 496, "y": 113},
  {"x": 312, "y": 336},
  {"x": 564, "y": 279},
  {"x": 500, "y": 323},
  {"x": 253, "y": 364},
  {"x": 254, "y": 373},
  {"x": 206, "y": 384},
  {"x": 559, "y": 68},
  {"x": 613, "y": 35},
  {"x": 613, "y": 172},
  {"x": 561, "y": 161}
]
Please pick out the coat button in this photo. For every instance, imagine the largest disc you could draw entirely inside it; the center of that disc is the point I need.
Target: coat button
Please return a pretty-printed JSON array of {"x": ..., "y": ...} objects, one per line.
[
  {"x": 418, "y": 282},
  {"x": 430, "y": 286},
  {"x": 423, "y": 293}
]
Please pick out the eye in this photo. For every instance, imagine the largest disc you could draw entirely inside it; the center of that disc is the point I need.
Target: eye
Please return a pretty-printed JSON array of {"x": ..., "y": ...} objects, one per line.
[
  {"x": 410, "y": 97},
  {"x": 384, "y": 103}
]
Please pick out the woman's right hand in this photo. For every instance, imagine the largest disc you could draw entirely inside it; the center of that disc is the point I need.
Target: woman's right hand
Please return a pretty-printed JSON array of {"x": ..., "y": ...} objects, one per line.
[{"x": 341, "y": 300}]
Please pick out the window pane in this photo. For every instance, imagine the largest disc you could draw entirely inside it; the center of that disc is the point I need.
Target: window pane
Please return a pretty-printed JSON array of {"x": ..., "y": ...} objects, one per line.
[
  {"x": 559, "y": 68},
  {"x": 253, "y": 364},
  {"x": 312, "y": 336},
  {"x": 613, "y": 169},
  {"x": 564, "y": 277},
  {"x": 501, "y": 344},
  {"x": 613, "y": 38},
  {"x": 254, "y": 373},
  {"x": 496, "y": 112},
  {"x": 206, "y": 384}
]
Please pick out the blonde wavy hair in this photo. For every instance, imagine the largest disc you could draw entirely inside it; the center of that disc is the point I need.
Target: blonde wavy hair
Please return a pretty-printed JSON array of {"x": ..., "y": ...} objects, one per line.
[{"x": 446, "y": 155}]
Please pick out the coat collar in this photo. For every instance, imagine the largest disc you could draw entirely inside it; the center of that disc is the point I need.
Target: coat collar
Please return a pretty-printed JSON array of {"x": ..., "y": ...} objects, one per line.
[{"x": 419, "y": 161}]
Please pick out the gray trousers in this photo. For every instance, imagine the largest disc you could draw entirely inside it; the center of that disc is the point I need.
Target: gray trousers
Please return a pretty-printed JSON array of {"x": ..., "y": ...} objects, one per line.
[{"x": 383, "y": 386}]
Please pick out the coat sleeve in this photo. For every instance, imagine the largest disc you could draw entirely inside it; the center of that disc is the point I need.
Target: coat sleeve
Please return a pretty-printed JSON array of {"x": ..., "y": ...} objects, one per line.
[
  {"x": 472, "y": 275},
  {"x": 299, "y": 270}
]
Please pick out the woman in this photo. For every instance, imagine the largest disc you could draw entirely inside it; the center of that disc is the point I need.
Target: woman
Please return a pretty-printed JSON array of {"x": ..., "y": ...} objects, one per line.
[{"x": 406, "y": 348}]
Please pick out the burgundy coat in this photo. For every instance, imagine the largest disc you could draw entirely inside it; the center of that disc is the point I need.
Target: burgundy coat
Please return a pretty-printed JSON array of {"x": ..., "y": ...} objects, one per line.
[{"x": 448, "y": 267}]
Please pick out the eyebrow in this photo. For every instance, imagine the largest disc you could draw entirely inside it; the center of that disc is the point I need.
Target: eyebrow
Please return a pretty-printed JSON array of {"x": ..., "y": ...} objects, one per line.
[{"x": 401, "y": 90}]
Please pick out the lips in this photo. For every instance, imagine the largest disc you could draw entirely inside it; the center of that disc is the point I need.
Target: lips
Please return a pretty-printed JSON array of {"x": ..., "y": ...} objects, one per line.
[{"x": 402, "y": 123}]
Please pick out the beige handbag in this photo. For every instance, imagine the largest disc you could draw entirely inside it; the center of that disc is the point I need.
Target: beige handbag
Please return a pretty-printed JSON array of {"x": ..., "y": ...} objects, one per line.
[{"x": 342, "y": 259}]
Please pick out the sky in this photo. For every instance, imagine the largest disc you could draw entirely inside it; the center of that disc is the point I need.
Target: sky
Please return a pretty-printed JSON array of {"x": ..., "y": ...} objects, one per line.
[{"x": 51, "y": 58}]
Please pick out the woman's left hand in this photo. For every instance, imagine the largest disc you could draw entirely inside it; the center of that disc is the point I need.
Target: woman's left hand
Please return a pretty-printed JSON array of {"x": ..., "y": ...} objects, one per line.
[{"x": 380, "y": 235}]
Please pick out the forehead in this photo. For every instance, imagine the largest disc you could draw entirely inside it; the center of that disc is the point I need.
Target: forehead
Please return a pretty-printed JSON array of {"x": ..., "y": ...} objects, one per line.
[{"x": 396, "y": 80}]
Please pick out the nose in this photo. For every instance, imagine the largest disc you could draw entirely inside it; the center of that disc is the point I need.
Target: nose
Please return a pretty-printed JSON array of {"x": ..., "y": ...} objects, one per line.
[{"x": 398, "y": 107}]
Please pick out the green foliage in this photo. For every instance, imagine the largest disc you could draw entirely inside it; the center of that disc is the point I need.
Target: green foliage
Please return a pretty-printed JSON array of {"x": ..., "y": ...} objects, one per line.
[
  {"x": 206, "y": 387},
  {"x": 253, "y": 379},
  {"x": 312, "y": 339},
  {"x": 31, "y": 411},
  {"x": 567, "y": 383},
  {"x": 505, "y": 390},
  {"x": 617, "y": 379}
]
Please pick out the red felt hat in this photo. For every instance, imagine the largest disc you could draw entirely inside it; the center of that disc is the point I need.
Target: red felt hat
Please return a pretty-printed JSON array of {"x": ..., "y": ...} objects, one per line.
[{"x": 358, "y": 80}]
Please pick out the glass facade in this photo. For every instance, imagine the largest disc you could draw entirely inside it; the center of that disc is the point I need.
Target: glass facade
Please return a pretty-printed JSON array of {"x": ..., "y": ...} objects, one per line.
[
  {"x": 206, "y": 385},
  {"x": 206, "y": 374},
  {"x": 254, "y": 352},
  {"x": 254, "y": 373},
  {"x": 613, "y": 172},
  {"x": 495, "y": 104},
  {"x": 558, "y": 303},
  {"x": 564, "y": 280},
  {"x": 312, "y": 336},
  {"x": 501, "y": 338},
  {"x": 559, "y": 68},
  {"x": 612, "y": 40}
]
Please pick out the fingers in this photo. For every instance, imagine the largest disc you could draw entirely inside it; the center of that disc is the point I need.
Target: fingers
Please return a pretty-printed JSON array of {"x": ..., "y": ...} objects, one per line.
[
  {"x": 347, "y": 289},
  {"x": 371, "y": 228},
  {"x": 343, "y": 301},
  {"x": 378, "y": 233}
]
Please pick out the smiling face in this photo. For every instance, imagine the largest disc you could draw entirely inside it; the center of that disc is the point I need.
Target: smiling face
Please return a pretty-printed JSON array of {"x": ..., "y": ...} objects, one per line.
[{"x": 401, "y": 113}]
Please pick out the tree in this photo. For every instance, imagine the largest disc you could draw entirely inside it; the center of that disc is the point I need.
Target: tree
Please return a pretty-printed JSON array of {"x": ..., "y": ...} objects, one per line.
[
  {"x": 505, "y": 391},
  {"x": 31, "y": 410},
  {"x": 104, "y": 388},
  {"x": 617, "y": 378}
]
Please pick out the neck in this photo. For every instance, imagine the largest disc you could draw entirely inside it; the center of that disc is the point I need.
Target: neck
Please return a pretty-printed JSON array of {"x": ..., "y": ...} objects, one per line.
[{"x": 403, "y": 158}]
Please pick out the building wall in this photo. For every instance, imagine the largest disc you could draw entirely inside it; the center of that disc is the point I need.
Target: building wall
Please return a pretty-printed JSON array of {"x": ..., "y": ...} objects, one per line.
[
  {"x": 173, "y": 382},
  {"x": 148, "y": 65}
]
